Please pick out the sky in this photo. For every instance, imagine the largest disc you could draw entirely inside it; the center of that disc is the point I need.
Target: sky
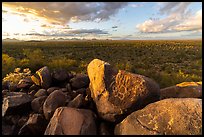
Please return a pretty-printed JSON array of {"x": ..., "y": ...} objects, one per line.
[{"x": 101, "y": 20}]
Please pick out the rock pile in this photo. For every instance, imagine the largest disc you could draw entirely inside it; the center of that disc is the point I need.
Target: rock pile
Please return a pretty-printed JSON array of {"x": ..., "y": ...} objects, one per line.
[{"x": 104, "y": 102}]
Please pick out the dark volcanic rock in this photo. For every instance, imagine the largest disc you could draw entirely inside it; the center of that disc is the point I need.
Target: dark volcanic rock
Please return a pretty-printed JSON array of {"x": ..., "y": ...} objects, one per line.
[
  {"x": 60, "y": 75},
  {"x": 175, "y": 116},
  {"x": 117, "y": 93},
  {"x": 51, "y": 89},
  {"x": 37, "y": 104},
  {"x": 35, "y": 125},
  {"x": 80, "y": 81},
  {"x": 77, "y": 101},
  {"x": 42, "y": 77},
  {"x": 41, "y": 92},
  {"x": 54, "y": 100},
  {"x": 71, "y": 121},
  {"x": 182, "y": 90},
  {"x": 16, "y": 103}
]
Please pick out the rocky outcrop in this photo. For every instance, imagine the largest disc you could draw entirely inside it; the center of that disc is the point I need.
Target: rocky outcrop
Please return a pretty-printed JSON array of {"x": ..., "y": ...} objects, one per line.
[
  {"x": 71, "y": 121},
  {"x": 94, "y": 103},
  {"x": 182, "y": 90},
  {"x": 166, "y": 117},
  {"x": 117, "y": 92}
]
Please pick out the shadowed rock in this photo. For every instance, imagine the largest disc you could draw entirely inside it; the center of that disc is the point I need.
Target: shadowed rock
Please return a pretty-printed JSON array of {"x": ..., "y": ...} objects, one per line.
[
  {"x": 16, "y": 103},
  {"x": 79, "y": 81},
  {"x": 182, "y": 90},
  {"x": 35, "y": 125},
  {"x": 71, "y": 121}
]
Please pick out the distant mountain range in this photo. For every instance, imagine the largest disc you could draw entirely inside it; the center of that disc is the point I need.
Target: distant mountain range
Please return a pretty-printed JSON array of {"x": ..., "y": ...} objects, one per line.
[{"x": 11, "y": 40}]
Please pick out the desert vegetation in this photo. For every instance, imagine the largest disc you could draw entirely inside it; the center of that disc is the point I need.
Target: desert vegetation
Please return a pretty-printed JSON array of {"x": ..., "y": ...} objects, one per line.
[{"x": 167, "y": 62}]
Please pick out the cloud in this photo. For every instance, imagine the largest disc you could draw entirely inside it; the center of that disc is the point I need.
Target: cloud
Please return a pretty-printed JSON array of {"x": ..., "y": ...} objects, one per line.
[
  {"x": 88, "y": 31},
  {"x": 136, "y": 5},
  {"x": 63, "y": 12},
  {"x": 178, "y": 18},
  {"x": 115, "y": 27},
  {"x": 174, "y": 7}
]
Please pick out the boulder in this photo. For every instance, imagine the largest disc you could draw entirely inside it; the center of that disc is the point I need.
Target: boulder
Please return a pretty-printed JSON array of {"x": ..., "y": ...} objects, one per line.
[
  {"x": 42, "y": 77},
  {"x": 71, "y": 121},
  {"x": 182, "y": 90},
  {"x": 79, "y": 81},
  {"x": 54, "y": 100},
  {"x": 60, "y": 75},
  {"x": 41, "y": 92},
  {"x": 16, "y": 103},
  {"x": 117, "y": 93},
  {"x": 35, "y": 125},
  {"x": 37, "y": 104},
  {"x": 174, "y": 116}
]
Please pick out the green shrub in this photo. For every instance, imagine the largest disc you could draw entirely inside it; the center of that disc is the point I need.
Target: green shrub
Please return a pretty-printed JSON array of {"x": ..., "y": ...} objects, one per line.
[{"x": 8, "y": 64}]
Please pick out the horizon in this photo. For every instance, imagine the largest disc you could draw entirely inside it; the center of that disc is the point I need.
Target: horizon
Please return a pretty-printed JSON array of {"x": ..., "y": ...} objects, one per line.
[{"x": 102, "y": 20}]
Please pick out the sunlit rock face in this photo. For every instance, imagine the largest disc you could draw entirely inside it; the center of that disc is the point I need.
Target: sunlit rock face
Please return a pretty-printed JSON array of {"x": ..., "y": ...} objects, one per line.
[
  {"x": 182, "y": 90},
  {"x": 174, "y": 116},
  {"x": 117, "y": 92}
]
